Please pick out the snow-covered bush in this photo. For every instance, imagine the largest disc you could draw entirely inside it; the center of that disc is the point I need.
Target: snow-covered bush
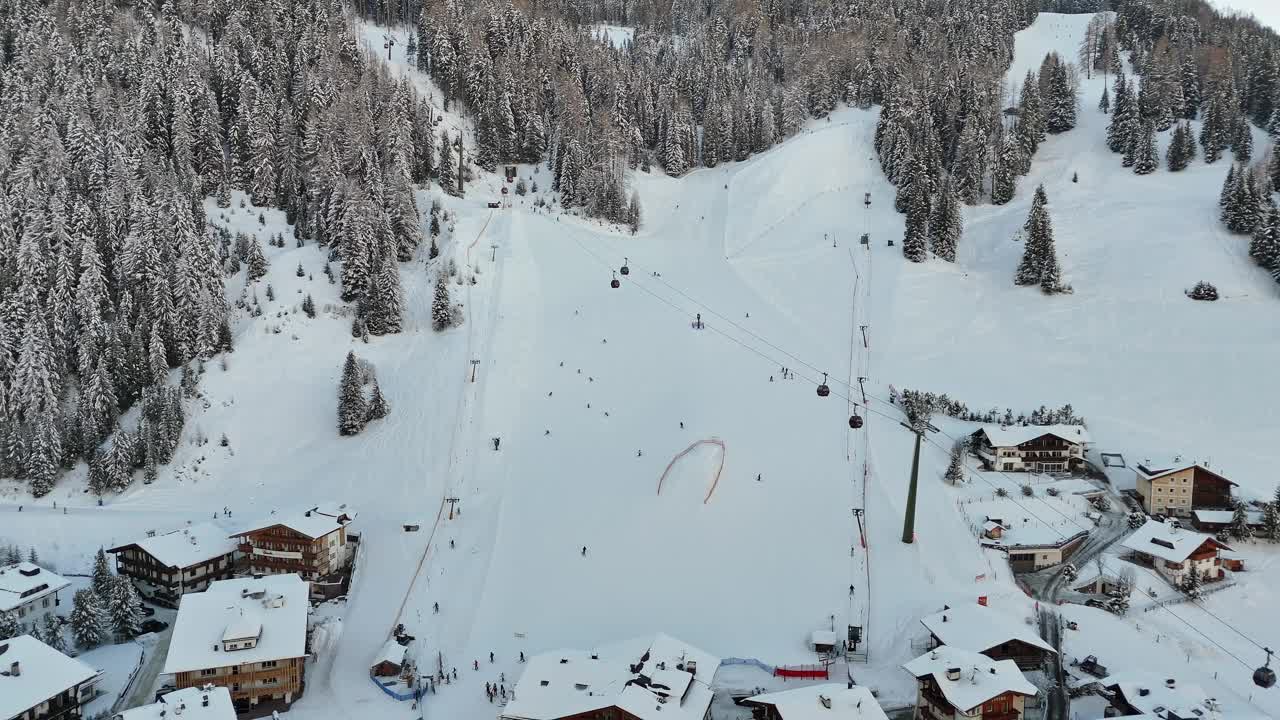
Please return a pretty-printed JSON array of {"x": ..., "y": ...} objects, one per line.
[{"x": 1203, "y": 291}]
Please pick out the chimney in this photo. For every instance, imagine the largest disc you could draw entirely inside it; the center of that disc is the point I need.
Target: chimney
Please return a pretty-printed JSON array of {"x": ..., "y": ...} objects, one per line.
[
  {"x": 178, "y": 710},
  {"x": 992, "y": 670},
  {"x": 15, "y": 669},
  {"x": 204, "y": 701},
  {"x": 944, "y": 617},
  {"x": 953, "y": 673}
]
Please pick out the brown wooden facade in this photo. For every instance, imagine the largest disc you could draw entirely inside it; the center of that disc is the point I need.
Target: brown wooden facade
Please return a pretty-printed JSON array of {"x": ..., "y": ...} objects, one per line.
[
  {"x": 251, "y": 683},
  {"x": 933, "y": 705},
  {"x": 278, "y": 549},
  {"x": 168, "y": 583}
]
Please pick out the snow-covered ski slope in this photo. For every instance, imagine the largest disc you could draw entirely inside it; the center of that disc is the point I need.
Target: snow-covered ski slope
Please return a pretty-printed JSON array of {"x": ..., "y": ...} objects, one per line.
[{"x": 587, "y": 388}]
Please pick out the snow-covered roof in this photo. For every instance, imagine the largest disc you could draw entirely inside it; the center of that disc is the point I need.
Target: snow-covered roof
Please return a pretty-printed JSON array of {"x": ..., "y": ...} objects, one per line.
[
  {"x": 185, "y": 547},
  {"x": 564, "y": 683},
  {"x": 1008, "y": 436},
  {"x": 43, "y": 674},
  {"x": 1153, "y": 695},
  {"x": 277, "y": 602},
  {"x": 1034, "y": 533},
  {"x": 981, "y": 678},
  {"x": 210, "y": 702},
  {"x": 314, "y": 523},
  {"x": 1224, "y": 517},
  {"x": 823, "y": 637},
  {"x": 805, "y": 703},
  {"x": 1159, "y": 468},
  {"x": 392, "y": 652},
  {"x": 977, "y": 628},
  {"x": 1167, "y": 542},
  {"x": 20, "y": 583}
]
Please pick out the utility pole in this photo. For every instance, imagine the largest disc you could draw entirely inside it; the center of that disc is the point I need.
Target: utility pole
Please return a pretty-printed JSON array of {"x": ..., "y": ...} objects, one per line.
[
  {"x": 862, "y": 380},
  {"x": 494, "y": 257},
  {"x": 452, "y": 502},
  {"x": 474, "y": 363},
  {"x": 864, "y": 335},
  {"x": 909, "y": 523}
]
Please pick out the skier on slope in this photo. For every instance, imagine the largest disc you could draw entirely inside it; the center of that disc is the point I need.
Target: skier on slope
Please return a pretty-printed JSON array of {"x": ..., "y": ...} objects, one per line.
[
  {"x": 490, "y": 656},
  {"x": 584, "y": 551},
  {"x": 437, "y": 607}
]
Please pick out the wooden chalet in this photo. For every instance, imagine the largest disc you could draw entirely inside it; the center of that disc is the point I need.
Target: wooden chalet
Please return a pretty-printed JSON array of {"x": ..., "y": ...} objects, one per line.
[{"x": 312, "y": 544}]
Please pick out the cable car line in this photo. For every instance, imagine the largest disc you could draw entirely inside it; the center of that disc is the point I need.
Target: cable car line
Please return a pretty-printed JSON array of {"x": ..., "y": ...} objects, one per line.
[{"x": 896, "y": 421}]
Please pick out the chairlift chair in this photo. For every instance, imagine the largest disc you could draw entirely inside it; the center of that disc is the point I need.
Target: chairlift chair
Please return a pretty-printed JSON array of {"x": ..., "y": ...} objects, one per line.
[
  {"x": 823, "y": 390},
  {"x": 1265, "y": 677}
]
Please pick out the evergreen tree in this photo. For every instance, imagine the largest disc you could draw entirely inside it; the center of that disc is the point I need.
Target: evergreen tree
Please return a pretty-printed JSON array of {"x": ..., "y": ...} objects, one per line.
[
  {"x": 257, "y": 262},
  {"x": 946, "y": 225},
  {"x": 102, "y": 576},
  {"x": 90, "y": 624},
  {"x": 1241, "y": 140},
  {"x": 1104, "y": 102},
  {"x": 1038, "y": 239},
  {"x": 1117, "y": 132},
  {"x": 915, "y": 237},
  {"x": 1264, "y": 247},
  {"x": 8, "y": 625},
  {"x": 51, "y": 634},
  {"x": 1060, "y": 114},
  {"x": 1191, "y": 584},
  {"x": 124, "y": 607},
  {"x": 1050, "y": 274},
  {"x": 352, "y": 408},
  {"x": 1146, "y": 160},
  {"x": 955, "y": 469},
  {"x": 384, "y": 304},
  {"x": 378, "y": 406},
  {"x": 441, "y": 305},
  {"x": 1004, "y": 175},
  {"x": 1239, "y": 528}
]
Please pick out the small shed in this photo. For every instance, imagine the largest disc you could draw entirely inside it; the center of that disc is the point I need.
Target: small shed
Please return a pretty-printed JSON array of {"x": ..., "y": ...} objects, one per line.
[
  {"x": 823, "y": 641},
  {"x": 992, "y": 529},
  {"x": 390, "y": 660}
]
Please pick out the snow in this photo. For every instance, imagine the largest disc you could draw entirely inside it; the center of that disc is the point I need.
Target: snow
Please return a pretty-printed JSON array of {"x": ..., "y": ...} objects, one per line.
[
  {"x": 1253, "y": 517},
  {"x": 187, "y": 546},
  {"x": 225, "y": 612},
  {"x": 568, "y": 682},
  {"x": 315, "y": 522},
  {"x": 754, "y": 569},
  {"x": 616, "y": 35},
  {"x": 1152, "y": 471},
  {"x": 44, "y": 674},
  {"x": 978, "y": 628},
  {"x": 847, "y": 703},
  {"x": 1183, "y": 699},
  {"x": 21, "y": 584},
  {"x": 981, "y": 678},
  {"x": 187, "y": 703},
  {"x": 1012, "y": 435},
  {"x": 1175, "y": 544},
  {"x": 115, "y": 664}
]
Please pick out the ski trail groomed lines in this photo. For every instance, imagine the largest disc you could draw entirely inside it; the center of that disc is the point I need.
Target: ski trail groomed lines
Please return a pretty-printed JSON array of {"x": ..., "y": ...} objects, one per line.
[{"x": 719, "y": 468}]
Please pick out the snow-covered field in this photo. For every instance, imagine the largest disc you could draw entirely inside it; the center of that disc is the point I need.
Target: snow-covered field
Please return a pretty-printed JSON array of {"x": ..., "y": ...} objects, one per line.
[{"x": 593, "y": 392}]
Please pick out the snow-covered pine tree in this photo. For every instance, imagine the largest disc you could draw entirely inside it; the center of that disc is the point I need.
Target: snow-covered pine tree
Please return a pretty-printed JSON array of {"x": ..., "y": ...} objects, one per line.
[
  {"x": 1117, "y": 133},
  {"x": 124, "y": 608},
  {"x": 1264, "y": 247},
  {"x": 946, "y": 225},
  {"x": 1060, "y": 111},
  {"x": 1104, "y": 102},
  {"x": 1050, "y": 273},
  {"x": 51, "y": 634},
  {"x": 1004, "y": 177},
  {"x": 8, "y": 624},
  {"x": 1239, "y": 527},
  {"x": 441, "y": 305},
  {"x": 102, "y": 576},
  {"x": 378, "y": 405},
  {"x": 257, "y": 262},
  {"x": 915, "y": 237},
  {"x": 90, "y": 624},
  {"x": 1036, "y": 234},
  {"x": 1192, "y": 584},
  {"x": 352, "y": 408},
  {"x": 1146, "y": 159},
  {"x": 1241, "y": 140},
  {"x": 384, "y": 304},
  {"x": 955, "y": 469}
]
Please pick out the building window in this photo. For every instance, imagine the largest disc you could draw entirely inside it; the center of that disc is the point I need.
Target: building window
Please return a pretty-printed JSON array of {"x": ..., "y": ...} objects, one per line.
[
  {"x": 268, "y": 664},
  {"x": 208, "y": 672}
]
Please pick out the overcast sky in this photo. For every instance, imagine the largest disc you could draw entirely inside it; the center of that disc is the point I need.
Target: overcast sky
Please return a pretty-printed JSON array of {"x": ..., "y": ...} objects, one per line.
[{"x": 1266, "y": 11}]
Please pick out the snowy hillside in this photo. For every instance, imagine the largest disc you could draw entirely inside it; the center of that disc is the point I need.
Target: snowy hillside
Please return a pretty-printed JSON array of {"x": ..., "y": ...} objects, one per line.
[{"x": 563, "y": 538}]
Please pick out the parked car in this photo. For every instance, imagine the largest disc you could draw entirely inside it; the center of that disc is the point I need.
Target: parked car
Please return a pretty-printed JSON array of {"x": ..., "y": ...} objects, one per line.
[
  {"x": 153, "y": 626},
  {"x": 148, "y": 611}
]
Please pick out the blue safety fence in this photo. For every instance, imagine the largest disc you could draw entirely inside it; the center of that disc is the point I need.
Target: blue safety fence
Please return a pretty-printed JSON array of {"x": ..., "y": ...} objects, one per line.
[{"x": 411, "y": 695}]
